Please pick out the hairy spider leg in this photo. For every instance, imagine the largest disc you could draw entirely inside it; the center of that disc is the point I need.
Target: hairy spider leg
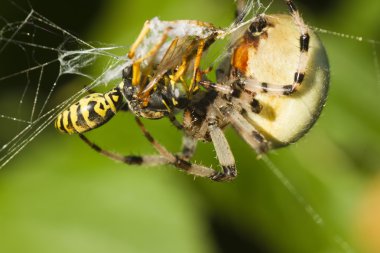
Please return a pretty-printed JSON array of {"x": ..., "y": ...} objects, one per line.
[{"x": 175, "y": 160}]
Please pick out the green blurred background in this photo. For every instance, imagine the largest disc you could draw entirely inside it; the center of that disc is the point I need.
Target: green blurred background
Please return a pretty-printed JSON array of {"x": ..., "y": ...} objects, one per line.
[{"x": 58, "y": 195}]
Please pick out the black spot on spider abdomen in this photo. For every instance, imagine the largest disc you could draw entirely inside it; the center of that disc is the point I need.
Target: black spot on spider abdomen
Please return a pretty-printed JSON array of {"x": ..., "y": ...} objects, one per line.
[{"x": 256, "y": 107}]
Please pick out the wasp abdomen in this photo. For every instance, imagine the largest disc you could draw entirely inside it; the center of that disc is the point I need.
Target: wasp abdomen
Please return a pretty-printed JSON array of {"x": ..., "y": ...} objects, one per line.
[{"x": 90, "y": 112}]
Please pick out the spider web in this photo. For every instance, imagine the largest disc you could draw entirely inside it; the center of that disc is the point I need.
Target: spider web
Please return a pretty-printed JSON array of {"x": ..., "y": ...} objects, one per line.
[{"x": 33, "y": 91}]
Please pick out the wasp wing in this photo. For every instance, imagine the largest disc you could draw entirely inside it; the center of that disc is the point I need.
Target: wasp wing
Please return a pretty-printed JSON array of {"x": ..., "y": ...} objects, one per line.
[{"x": 179, "y": 49}]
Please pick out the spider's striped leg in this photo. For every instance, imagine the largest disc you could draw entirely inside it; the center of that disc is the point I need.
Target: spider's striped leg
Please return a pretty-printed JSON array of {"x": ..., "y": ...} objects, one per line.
[
  {"x": 225, "y": 89},
  {"x": 304, "y": 40},
  {"x": 153, "y": 160},
  {"x": 248, "y": 86},
  {"x": 236, "y": 92},
  {"x": 248, "y": 103},
  {"x": 246, "y": 130},
  {"x": 175, "y": 160},
  {"x": 223, "y": 152},
  {"x": 188, "y": 149},
  {"x": 254, "y": 86}
]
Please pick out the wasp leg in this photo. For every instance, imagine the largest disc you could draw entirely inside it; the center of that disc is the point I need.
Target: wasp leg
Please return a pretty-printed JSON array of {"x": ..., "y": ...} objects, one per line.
[
  {"x": 223, "y": 152},
  {"x": 140, "y": 38},
  {"x": 136, "y": 72},
  {"x": 153, "y": 160},
  {"x": 197, "y": 62},
  {"x": 175, "y": 160}
]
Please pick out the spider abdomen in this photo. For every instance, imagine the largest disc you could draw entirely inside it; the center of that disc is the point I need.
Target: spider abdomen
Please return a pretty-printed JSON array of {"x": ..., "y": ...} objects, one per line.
[{"x": 272, "y": 60}]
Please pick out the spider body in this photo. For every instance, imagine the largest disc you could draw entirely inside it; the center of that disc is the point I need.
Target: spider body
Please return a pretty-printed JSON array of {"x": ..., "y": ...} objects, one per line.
[
  {"x": 270, "y": 87},
  {"x": 267, "y": 64}
]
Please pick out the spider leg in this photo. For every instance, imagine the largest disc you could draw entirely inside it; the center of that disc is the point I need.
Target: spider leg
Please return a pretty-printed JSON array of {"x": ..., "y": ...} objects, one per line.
[
  {"x": 156, "y": 160},
  {"x": 250, "y": 86},
  {"x": 175, "y": 160},
  {"x": 153, "y": 160},
  {"x": 221, "y": 88},
  {"x": 188, "y": 149},
  {"x": 246, "y": 130},
  {"x": 254, "y": 86},
  {"x": 188, "y": 143},
  {"x": 304, "y": 40},
  {"x": 237, "y": 93},
  {"x": 223, "y": 152}
]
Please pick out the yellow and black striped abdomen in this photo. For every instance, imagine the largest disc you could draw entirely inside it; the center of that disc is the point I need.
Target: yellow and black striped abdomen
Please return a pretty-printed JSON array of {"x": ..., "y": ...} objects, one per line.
[{"x": 90, "y": 112}]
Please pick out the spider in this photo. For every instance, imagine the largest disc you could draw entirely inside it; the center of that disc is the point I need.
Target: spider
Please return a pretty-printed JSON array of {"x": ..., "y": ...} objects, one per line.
[{"x": 270, "y": 87}]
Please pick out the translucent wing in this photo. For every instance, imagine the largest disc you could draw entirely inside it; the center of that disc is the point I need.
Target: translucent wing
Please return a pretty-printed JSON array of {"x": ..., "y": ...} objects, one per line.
[{"x": 179, "y": 49}]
